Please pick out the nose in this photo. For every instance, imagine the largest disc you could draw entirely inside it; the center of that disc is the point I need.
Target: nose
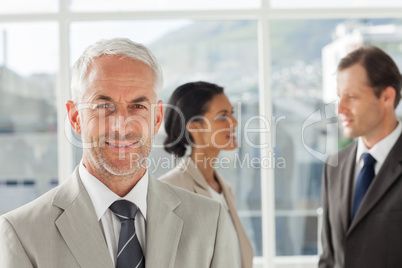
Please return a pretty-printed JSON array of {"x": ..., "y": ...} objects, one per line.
[
  {"x": 121, "y": 122},
  {"x": 233, "y": 121},
  {"x": 341, "y": 109},
  {"x": 117, "y": 124}
]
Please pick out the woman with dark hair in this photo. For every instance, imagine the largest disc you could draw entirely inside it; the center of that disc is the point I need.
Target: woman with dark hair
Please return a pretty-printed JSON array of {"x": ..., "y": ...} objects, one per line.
[{"x": 199, "y": 116}]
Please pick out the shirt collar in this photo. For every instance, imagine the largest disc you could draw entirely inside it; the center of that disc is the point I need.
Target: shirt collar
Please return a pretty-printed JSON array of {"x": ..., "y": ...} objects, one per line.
[
  {"x": 102, "y": 197},
  {"x": 381, "y": 149}
]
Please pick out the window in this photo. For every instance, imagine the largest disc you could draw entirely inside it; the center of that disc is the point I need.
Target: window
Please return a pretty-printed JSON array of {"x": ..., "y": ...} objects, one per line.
[
  {"x": 306, "y": 131},
  {"x": 28, "y": 127},
  {"x": 27, "y": 6},
  {"x": 304, "y": 97}
]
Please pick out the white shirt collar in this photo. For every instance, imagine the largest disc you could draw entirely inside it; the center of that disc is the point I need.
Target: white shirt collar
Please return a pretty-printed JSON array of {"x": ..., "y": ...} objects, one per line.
[
  {"x": 381, "y": 149},
  {"x": 102, "y": 197}
]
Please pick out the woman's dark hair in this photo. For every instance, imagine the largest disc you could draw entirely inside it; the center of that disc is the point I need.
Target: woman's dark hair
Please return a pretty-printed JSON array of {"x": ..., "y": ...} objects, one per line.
[
  {"x": 381, "y": 70},
  {"x": 187, "y": 102}
]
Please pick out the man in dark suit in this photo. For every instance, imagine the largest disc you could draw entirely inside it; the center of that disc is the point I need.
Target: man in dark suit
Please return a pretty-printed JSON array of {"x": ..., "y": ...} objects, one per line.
[{"x": 362, "y": 195}]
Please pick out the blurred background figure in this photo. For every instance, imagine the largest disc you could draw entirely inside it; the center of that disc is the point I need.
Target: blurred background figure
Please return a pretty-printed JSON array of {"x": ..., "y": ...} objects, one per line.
[
  {"x": 199, "y": 115},
  {"x": 362, "y": 201}
]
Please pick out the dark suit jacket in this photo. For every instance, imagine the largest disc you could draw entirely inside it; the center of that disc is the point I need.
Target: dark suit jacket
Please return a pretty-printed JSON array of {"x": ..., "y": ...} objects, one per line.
[{"x": 374, "y": 237}]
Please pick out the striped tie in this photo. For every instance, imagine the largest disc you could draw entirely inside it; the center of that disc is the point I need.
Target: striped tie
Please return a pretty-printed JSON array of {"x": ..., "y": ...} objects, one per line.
[{"x": 129, "y": 252}]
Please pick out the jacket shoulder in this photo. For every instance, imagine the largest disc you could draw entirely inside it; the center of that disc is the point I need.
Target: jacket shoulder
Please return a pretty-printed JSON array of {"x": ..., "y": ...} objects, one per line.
[
  {"x": 343, "y": 153},
  {"x": 190, "y": 201},
  {"x": 35, "y": 210},
  {"x": 179, "y": 178}
]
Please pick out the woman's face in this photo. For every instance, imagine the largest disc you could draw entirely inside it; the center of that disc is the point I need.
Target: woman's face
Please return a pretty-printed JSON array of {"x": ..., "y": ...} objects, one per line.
[{"x": 215, "y": 129}]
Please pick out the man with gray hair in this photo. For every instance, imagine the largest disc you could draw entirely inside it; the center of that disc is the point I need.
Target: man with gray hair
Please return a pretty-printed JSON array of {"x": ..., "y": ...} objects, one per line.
[{"x": 110, "y": 212}]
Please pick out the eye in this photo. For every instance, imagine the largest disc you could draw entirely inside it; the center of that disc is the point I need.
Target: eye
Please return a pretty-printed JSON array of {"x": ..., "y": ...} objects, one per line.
[
  {"x": 138, "y": 106},
  {"x": 103, "y": 106},
  {"x": 109, "y": 106},
  {"x": 221, "y": 117}
]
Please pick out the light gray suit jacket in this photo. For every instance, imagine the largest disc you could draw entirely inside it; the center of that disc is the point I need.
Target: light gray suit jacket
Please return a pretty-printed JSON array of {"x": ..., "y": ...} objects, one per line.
[
  {"x": 373, "y": 239},
  {"x": 60, "y": 229},
  {"x": 187, "y": 176}
]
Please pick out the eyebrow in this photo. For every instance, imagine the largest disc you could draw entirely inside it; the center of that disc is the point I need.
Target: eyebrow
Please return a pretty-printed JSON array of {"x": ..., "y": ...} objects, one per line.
[
  {"x": 103, "y": 97},
  {"x": 140, "y": 99},
  {"x": 224, "y": 111},
  {"x": 137, "y": 100}
]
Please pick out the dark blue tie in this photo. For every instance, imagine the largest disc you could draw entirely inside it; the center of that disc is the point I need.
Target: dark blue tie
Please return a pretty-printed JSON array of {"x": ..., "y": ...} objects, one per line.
[
  {"x": 129, "y": 252},
  {"x": 364, "y": 179}
]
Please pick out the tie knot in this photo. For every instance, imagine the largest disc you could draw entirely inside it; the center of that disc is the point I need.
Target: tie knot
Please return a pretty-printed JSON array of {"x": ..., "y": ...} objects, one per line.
[
  {"x": 124, "y": 209},
  {"x": 368, "y": 159}
]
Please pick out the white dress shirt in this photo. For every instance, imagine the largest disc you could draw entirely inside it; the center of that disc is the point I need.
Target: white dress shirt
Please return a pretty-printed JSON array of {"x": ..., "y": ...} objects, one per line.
[
  {"x": 379, "y": 151},
  {"x": 102, "y": 197}
]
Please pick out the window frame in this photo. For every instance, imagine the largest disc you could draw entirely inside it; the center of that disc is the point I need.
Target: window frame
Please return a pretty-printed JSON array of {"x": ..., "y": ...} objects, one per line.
[{"x": 263, "y": 15}]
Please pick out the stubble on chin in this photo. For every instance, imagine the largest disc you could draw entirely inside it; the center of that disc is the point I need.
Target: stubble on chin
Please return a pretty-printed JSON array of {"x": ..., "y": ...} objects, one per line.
[
  {"x": 124, "y": 164},
  {"x": 131, "y": 163}
]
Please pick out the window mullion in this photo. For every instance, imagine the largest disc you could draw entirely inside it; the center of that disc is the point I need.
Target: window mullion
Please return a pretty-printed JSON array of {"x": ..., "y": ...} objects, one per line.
[{"x": 65, "y": 149}]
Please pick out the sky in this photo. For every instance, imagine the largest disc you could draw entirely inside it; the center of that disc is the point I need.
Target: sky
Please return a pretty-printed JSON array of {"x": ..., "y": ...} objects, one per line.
[
  {"x": 29, "y": 47},
  {"x": 146, "y": 32},
  {"x": 34, "y": 47}
]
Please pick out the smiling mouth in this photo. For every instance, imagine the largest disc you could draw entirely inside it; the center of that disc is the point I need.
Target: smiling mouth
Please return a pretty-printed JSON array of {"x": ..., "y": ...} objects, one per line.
[{"x": 121, "y": 145}]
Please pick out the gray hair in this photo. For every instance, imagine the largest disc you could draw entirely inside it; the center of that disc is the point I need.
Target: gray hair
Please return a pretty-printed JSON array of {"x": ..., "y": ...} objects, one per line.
[{"x": 123, "y": 47}]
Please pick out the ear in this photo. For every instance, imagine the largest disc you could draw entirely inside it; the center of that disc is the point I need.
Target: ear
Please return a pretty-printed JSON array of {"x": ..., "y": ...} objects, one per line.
[
  {"x": 158, "y": 116},
  {"x": 193, "y": 127},
  {"x": 388, "y": 96},
  {"x": 73, "y": 117},
  {"x": 196, "y": 128}
]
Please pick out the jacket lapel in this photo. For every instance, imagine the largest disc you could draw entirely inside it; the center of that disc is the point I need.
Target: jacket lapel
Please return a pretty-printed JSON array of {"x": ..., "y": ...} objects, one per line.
[
  {"x": 200, "y": 184},
  {"x": 347, "y": 165},
  {"x": 389, "y": 173},
  {"x": 162, "y": 222},
  {"x": 202, "y": 190},
  {"x": 78, "y": 225}
]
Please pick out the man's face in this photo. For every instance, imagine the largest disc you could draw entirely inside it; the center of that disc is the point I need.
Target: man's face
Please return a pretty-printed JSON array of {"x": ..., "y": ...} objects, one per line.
[
  {"x": 362, "y": 113},
  {"x": 118, "y": 116}
]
